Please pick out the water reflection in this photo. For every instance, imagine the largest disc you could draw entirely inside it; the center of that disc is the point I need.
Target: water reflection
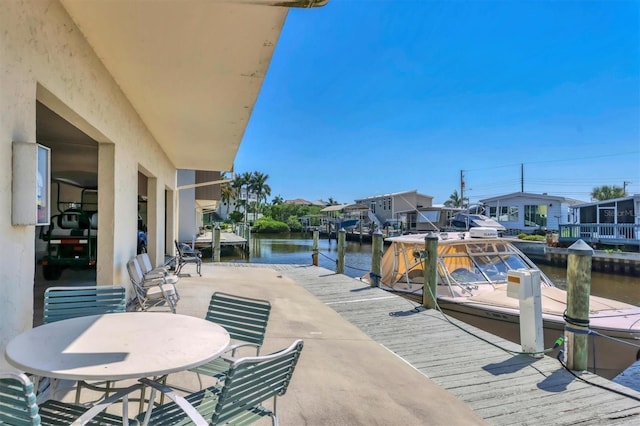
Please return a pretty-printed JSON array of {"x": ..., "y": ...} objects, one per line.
[{"x": 297, "y": 249}]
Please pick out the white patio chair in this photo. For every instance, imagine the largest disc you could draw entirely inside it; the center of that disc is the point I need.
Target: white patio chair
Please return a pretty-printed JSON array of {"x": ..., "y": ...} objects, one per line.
[
  {"x": 150, "y": 273},
  {"x": 151, "y": 293}
]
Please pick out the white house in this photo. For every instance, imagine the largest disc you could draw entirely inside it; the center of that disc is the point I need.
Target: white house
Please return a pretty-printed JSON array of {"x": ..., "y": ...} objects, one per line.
[
  {"x": 129, "y": 90},
  {"x": 612, "y": 222},
  {"x": 624, "y": 210},
  {"x": 527, "y": 212}
]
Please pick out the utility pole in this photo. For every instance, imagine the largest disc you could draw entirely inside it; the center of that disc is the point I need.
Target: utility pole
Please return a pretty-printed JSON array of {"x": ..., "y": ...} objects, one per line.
[
  {"x": 624, "y": 187},
  {"x": 521, "y": 177},
  {"x": 462, "y": 188}
]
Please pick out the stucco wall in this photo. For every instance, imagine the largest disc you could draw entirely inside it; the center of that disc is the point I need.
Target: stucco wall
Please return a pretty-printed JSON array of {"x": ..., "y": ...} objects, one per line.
[{"x": 44, "y": 56}]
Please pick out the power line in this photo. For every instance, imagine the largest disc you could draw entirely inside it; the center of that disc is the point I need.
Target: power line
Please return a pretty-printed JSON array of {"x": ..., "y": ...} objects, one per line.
[{"x": 559, "y": 160}]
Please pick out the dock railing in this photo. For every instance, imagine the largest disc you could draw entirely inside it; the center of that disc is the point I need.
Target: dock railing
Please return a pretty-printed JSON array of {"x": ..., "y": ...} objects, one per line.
[{"x": 620, "y": 233}]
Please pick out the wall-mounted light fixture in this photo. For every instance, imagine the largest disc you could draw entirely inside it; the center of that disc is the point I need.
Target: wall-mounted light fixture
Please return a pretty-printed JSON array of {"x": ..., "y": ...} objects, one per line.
[{"x": 31, "y": 184}]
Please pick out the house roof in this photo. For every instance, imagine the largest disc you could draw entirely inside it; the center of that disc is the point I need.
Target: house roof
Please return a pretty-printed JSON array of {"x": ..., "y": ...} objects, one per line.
[
  {"x": 635, "y": 197},
  {"x": 531, "y": 195},
  {"x": 345, "y": 207},
  {"x": 394, "y": 194},
  {"x": 299, "y": 201}
]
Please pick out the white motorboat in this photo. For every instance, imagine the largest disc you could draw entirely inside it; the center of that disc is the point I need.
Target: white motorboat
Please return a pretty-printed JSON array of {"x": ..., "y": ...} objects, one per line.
[{"x": 472, "y": 271}]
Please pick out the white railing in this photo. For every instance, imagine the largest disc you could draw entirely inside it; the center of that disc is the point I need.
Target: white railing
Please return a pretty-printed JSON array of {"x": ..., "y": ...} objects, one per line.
[
  {"x": 601, "y": 231},
  {"x": 373, "y": 218}
]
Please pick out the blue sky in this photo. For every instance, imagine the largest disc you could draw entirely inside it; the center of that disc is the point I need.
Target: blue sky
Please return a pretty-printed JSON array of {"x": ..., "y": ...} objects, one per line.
[{"x": 371, "y": 97}]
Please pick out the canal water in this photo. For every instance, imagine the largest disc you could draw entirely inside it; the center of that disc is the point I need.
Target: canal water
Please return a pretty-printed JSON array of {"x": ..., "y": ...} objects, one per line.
[{"x": 297, "y": 249}]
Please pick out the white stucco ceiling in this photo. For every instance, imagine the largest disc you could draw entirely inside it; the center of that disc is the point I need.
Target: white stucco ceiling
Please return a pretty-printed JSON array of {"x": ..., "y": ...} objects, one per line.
[{"x": 192, "y": 69}]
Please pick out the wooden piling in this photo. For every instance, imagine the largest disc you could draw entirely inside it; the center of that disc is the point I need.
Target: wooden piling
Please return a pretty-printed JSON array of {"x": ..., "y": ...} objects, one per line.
[
  {"x": 342, "y": 237},
  {"x": 577, "y": 316},
  {"x": 377, "y": 244},
  {"x": 314, "y": 255},
  {"x": 429, "y": 288},
  {"x": 217, "y": 244},
  {"x": 247, "y": 236}
]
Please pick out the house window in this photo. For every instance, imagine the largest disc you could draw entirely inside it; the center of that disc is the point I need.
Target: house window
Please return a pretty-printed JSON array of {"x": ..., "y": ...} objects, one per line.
[
  {"x": 589, "y": 214},
  {"x": 504, "y": 213},
  {"x": 625, "y": 212},
  {"x": 535, "y": 215},
  {"x": 412, "y": 220}
]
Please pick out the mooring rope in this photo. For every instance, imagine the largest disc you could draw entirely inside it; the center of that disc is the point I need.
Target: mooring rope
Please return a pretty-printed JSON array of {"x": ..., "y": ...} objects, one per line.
[{"x": 345, "y": 265}]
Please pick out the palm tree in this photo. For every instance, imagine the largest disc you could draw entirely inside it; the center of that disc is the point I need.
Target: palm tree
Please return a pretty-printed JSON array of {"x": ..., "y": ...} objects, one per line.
[
  {"x": 277, "y": 200},
  {"x": 455, "y": 200},
  {"x": 259, "y": 186},
  {"x": 240, "y": 186},
  {"x": 606, "y": 192},
  {"x": 227, "y": 193},
  {"x": 332, "y": 202}
]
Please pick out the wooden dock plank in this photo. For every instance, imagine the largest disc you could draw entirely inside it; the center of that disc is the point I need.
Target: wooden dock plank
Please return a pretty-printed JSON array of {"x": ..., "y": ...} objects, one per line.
[{"x": 504, "y": 389}]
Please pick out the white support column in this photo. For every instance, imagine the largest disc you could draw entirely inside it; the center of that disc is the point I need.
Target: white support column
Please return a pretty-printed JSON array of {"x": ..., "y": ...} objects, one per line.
[
  {"x": 154, "y": 229},
  {"x": 105, "y": 265}
]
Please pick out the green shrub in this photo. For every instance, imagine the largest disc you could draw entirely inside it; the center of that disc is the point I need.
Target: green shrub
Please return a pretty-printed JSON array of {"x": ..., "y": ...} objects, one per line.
[
  {"x": 267, "y": 225},
  {"x": 529, "y": 237},
  {"x": 236, "y": 216},
  {"x": 294, "y": 224}
]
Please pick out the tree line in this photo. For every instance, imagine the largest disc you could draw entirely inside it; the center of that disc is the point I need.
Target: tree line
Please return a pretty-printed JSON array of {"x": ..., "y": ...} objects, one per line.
[{"x": 250, "y": 191}]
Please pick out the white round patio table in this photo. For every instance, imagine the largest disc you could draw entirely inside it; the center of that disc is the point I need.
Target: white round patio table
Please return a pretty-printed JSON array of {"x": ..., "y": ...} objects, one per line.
[{"x": 117, "y": 346}]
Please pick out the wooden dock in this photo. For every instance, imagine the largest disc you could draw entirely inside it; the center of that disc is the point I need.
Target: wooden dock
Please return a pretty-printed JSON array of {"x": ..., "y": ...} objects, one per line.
[
  {"x": 205, "y": 242},
  {"x": 502, "y": 388}
]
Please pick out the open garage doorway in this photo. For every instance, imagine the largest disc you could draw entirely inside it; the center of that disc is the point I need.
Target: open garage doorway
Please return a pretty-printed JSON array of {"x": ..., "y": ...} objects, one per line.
[
  {"x": 155, "y": 214},
  {"x": 143, "y": 217},
  {"x": 66, "y": 250}
]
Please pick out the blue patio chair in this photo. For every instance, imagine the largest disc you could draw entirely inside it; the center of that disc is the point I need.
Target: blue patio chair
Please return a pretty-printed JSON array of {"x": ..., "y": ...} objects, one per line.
[
  {"x": 18, "y": 406},
  {"x": 244, "y": 318},
  {"x": 71, "y": 302},
  {"x": 248, "y": 384},
  {"x": 62, "y": 303}
]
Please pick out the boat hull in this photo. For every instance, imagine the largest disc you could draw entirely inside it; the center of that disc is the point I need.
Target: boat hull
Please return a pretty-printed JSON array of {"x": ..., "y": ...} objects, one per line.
[
  {"x": 472, "y": 275},
  {"x": 611, "y": 356}
]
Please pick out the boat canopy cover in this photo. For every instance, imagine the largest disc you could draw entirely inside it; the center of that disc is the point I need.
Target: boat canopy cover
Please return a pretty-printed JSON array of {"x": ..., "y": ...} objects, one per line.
[{"x": 461, "y": 258}]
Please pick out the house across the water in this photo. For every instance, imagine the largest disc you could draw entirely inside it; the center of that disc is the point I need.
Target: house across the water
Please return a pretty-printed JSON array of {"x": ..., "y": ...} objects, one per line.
[
  {"x": 526, "y": 212},
  {"x": 613, "y": 222}
]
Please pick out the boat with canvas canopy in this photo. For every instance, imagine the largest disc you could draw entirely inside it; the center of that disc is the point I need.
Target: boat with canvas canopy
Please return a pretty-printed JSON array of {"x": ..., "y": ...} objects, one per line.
[{"x": 472, "y": 268}]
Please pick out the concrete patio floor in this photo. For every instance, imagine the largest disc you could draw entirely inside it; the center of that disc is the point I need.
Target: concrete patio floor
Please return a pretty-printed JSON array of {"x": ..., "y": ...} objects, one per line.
[{"x": 343, "y": 376}]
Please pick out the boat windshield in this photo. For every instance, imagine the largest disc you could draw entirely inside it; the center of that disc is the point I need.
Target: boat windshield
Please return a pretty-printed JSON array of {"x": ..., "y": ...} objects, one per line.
[{"x": 478, "y": 263}]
